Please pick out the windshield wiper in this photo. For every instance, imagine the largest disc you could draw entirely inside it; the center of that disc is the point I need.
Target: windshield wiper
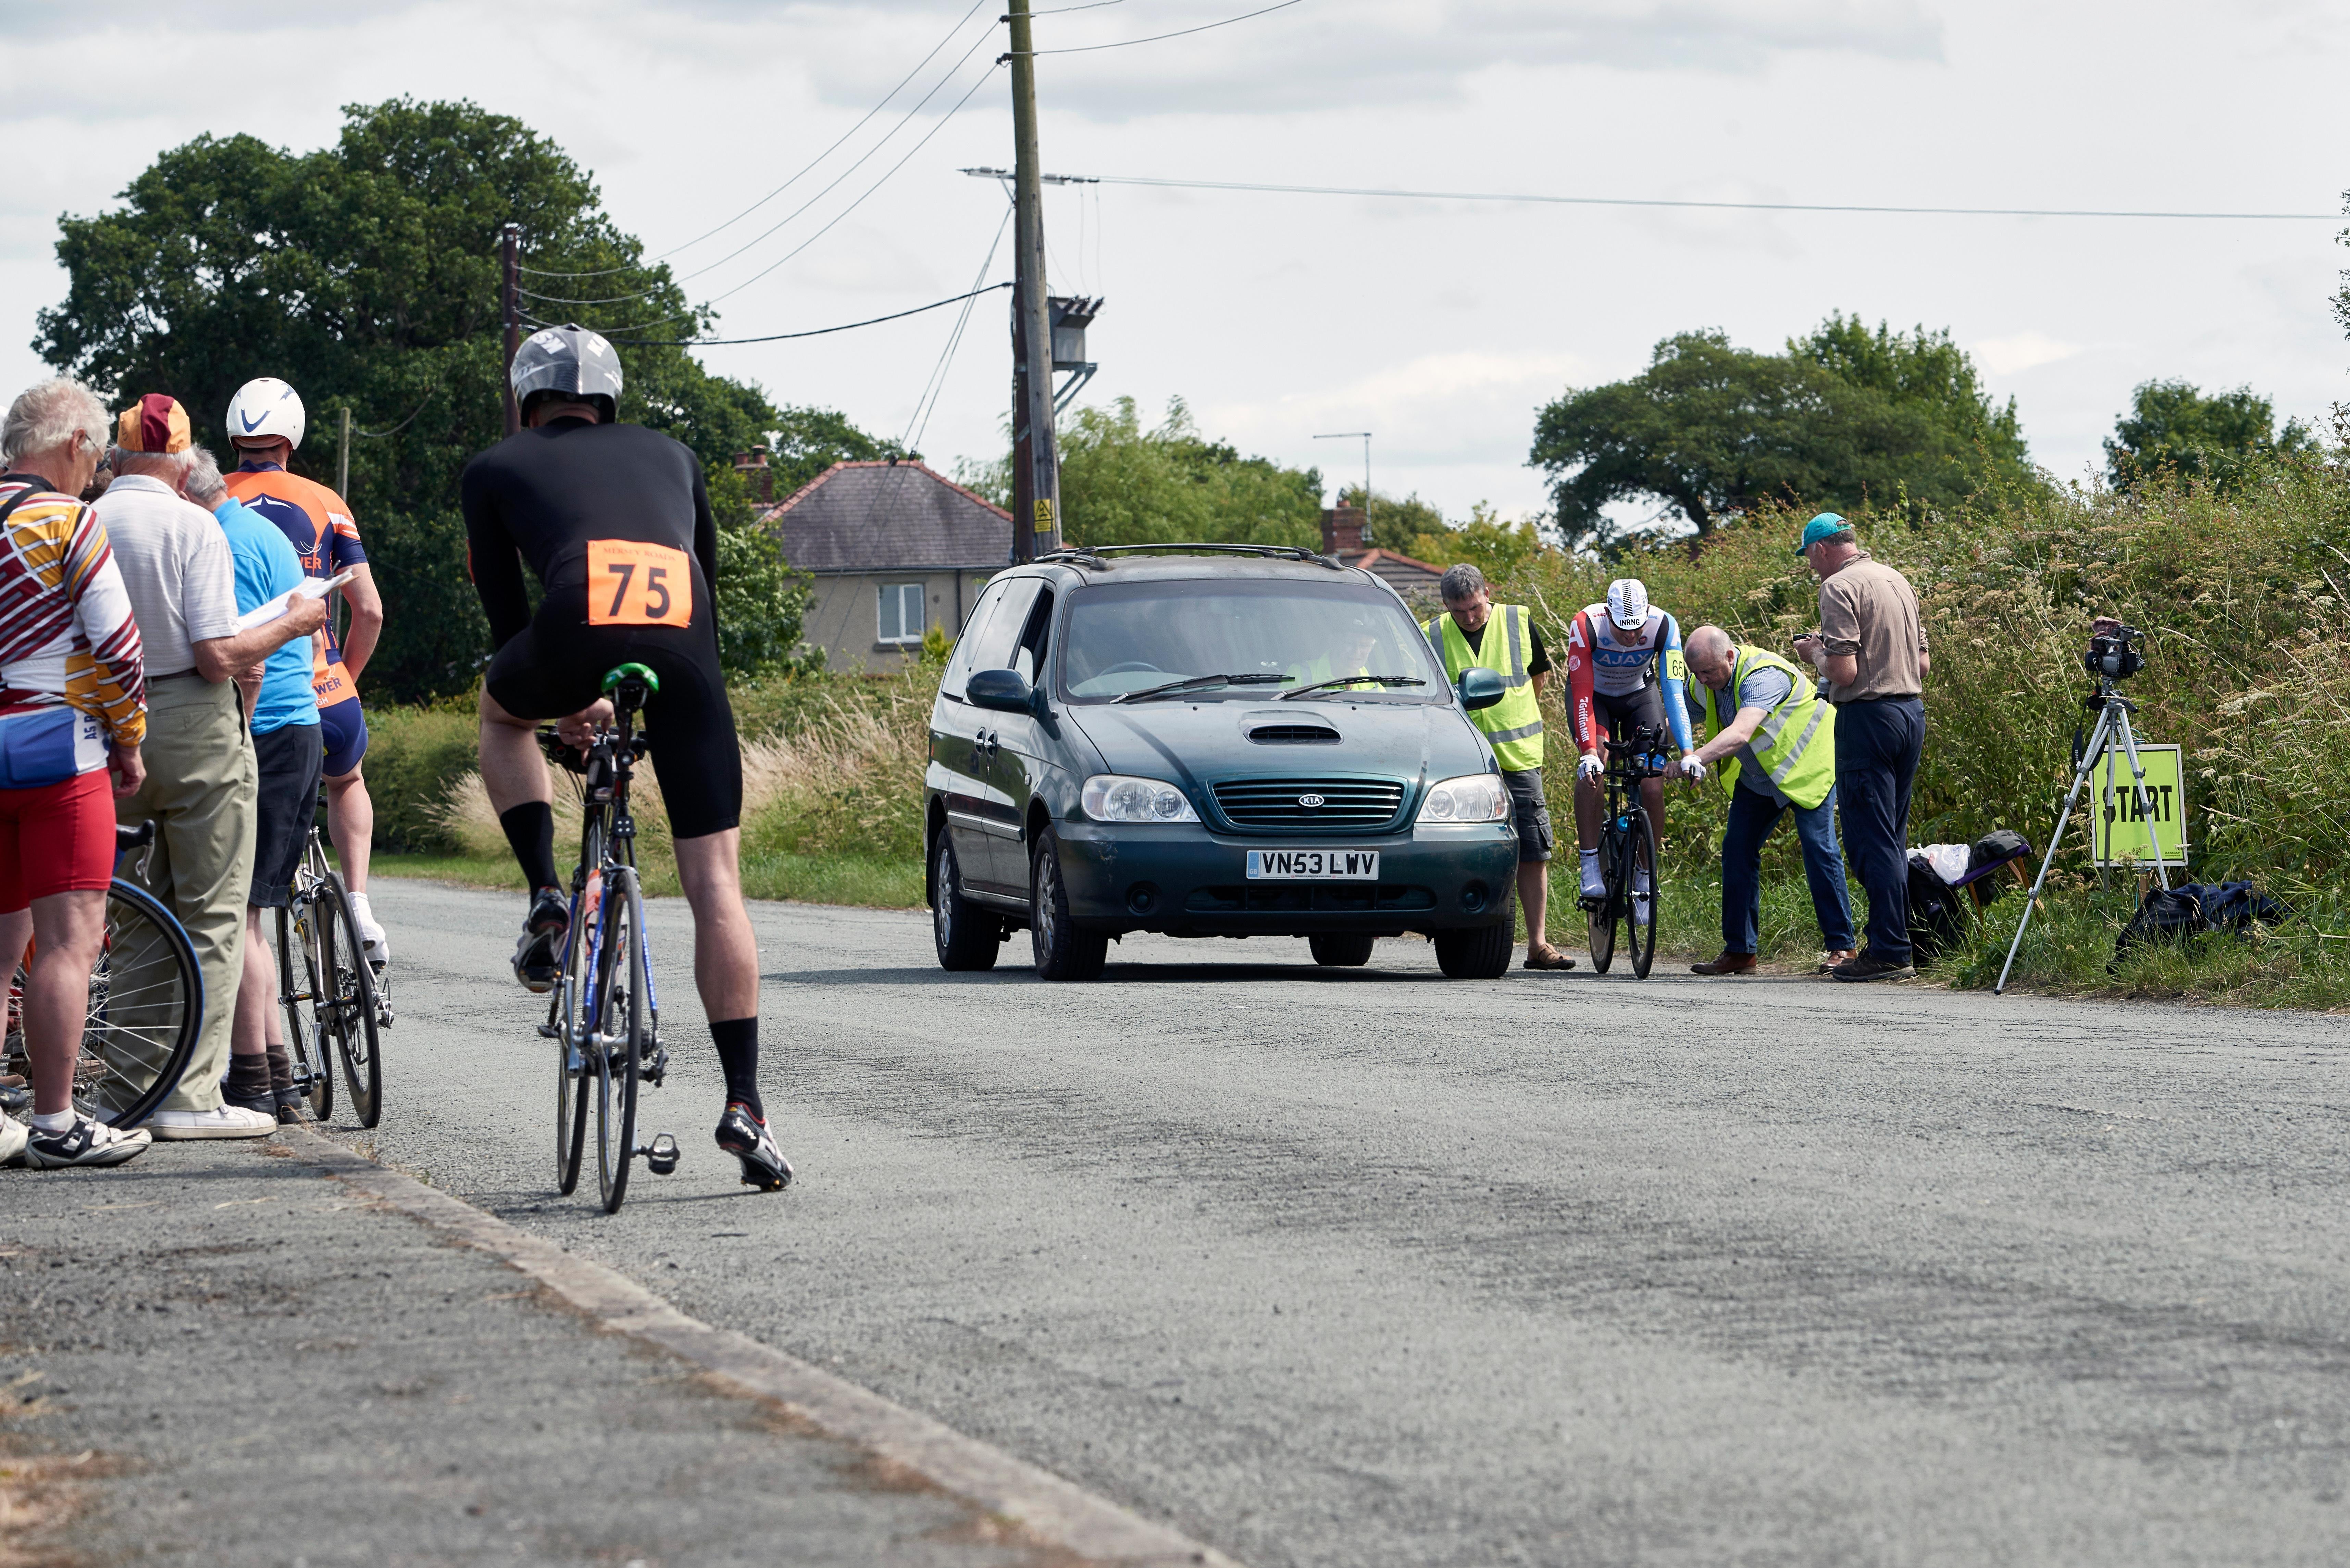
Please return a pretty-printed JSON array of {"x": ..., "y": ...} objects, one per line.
[
  {"x": 1353, "y": 680},
  {"x": 1194, "y": 682}
]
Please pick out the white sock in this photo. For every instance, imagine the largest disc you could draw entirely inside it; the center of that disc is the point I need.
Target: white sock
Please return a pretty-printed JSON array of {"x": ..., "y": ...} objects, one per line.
[{"x": 55, "y": 1121}]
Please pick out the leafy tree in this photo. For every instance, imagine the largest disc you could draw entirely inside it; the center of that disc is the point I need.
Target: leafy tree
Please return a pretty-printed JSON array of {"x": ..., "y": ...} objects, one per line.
[
  {"x": 2223, "y": 438},
  {"x": 1488, "y": 542},
  {"x": 367, "y": 274},
  {"x": 806, "y": 442},
  {"x": 1391, "y": 523},
  {"x": 1711, "y": 430},
  {"x": 1123, "y": 485}
]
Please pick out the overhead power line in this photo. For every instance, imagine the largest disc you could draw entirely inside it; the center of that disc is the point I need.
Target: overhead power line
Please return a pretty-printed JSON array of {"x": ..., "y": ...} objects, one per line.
[
  {"x": 1158, "y": 37},
  {"x": 818, "y": 332},
  {"x": 1674, "y": 202},
  {"x": 795, "y": 179}
]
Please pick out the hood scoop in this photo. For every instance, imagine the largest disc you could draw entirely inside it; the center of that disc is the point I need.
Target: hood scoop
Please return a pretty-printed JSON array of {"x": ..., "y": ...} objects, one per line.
[{"x": 1288, "y": 732}]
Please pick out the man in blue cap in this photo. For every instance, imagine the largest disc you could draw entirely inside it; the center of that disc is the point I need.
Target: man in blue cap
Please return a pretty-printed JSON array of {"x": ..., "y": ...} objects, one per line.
[{"x": 1870, "y": 653}]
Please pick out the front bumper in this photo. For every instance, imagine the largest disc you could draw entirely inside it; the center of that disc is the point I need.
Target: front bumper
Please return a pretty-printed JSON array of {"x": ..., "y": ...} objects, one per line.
[{"x": 1189, "y": 879}]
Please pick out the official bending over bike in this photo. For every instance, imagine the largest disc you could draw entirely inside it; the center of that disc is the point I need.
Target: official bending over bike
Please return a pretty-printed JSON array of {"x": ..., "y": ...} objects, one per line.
[
  {"x": 1773, "y": 736},
  {"x": 614, "y": 522}
]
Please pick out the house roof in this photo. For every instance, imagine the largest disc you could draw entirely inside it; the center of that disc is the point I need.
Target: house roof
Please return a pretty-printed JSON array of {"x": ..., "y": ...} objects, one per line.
[
  {"x": 888, "y": 516},
  {"x": 1401, "y": 573}
]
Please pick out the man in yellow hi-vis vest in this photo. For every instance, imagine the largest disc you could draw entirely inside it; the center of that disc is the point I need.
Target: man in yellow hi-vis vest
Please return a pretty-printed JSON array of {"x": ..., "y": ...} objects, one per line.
[
  {"x": 1475, "y": 631},
  {"x": 1773, "y": 735}
]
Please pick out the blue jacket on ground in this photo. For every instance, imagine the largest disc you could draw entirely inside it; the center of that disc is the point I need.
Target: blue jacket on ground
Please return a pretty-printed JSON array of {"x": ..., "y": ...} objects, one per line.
[{"x": 266, "y": 565}]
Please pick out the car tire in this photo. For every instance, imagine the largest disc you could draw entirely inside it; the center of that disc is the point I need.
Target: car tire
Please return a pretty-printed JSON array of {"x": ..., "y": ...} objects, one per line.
[
  {"x": 1063, "y": 952},
  {"x": 1339, "y": 950},
  {"x": 967, "y": 937},
  {"x": 1483, "y": 952}
]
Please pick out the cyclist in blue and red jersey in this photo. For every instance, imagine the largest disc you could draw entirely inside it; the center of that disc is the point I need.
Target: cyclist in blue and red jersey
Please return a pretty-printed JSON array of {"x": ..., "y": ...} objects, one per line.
[
  {"x": 265, "y": 424},
  {"x": 1624, "y": 672}
]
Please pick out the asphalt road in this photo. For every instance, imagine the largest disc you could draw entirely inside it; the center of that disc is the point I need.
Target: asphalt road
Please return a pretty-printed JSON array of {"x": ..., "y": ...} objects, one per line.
[
  {"x": 1370, "y": 1267},
  {"x": 215, "y": 1355}
]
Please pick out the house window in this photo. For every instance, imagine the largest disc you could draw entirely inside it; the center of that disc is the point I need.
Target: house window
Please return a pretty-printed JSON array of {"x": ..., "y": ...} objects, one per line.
[{"x": 901, "y": 612}]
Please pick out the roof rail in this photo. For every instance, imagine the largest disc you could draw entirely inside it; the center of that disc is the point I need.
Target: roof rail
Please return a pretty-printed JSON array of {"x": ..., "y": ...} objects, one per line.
[{"x": 1093, "y": 555}]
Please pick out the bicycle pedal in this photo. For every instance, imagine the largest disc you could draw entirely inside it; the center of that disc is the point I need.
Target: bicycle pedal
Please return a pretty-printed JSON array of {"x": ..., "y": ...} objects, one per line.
[
  {"x": 661, "y": 1155},
  {"x": 550, "y": 1032}
]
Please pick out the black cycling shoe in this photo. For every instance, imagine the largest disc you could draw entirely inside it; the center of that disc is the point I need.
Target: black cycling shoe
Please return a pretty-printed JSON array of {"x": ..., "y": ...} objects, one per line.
[
  {"x": 747, "y": 1138},
  {"x": 539, "y": 956}
]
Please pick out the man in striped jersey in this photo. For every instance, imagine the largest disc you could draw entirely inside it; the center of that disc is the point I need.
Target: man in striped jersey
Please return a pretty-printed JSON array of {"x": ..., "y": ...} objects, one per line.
[{"x": 73, "y": 712}]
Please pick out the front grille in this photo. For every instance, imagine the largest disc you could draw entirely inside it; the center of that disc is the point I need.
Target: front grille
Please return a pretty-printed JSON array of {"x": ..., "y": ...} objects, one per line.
[
  {"x": 1347, "y": 806},
  {"x": 1307, "y": 898},
  {"x": 1294, "y": 735}
]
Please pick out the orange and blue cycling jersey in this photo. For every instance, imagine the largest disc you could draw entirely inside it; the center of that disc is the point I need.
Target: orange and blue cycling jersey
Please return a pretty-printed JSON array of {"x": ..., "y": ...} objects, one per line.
[{"x": 319, "y": 523}]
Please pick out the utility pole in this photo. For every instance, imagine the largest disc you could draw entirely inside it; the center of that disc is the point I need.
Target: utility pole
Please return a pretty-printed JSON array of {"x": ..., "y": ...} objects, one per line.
[
  {"x": 343, "y": 457},
  {"x": 1036, "y": 462},
  {"x": 510, "y": 251}
]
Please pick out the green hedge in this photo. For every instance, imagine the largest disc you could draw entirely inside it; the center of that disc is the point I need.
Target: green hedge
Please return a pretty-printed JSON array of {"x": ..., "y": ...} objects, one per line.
[{"x": 413, "y": 755}]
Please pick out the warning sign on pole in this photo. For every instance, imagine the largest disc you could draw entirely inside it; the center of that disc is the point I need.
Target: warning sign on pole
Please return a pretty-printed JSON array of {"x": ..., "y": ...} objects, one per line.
[{"x": 2124, "y": 829}]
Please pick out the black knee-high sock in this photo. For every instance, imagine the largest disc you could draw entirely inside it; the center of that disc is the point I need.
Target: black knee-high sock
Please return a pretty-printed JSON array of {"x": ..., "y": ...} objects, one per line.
[
  {"x": 530, "y": 828},
  {"x": 738, "y": 1052}
]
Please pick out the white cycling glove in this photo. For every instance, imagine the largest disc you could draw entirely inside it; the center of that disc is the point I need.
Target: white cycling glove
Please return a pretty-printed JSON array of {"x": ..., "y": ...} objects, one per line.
[
  {"x": 1590, "y": 767},
  {"x": 1692, "y": 768}
]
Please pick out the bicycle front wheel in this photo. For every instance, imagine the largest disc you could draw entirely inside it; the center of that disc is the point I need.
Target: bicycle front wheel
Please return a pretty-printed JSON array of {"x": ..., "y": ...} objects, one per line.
[
  {"x": 573, "y": 1014},
  {"x": 146, "y": 1009},
  {"x": 1602, "y": 920},
  {"x": 346, "y": 1005},
  {"x": 1641, "y": 865},
  {"x": 620, "y": 1007},
  {"x": 314, "y": 1074}
]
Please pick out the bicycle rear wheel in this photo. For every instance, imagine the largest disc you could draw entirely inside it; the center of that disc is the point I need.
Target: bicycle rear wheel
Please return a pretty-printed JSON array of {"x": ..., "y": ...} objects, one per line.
[
  {"x": 1602, "y": 920},
  {"x": 146, "y": 1009},
  {"x": 620, "y": 1005},
  {"x": 1640, "y": 845},
  {"x": 573, "y": 1016},
  {"x": 347, "y": 1007},
  {"x": 314, "y": 1074}
]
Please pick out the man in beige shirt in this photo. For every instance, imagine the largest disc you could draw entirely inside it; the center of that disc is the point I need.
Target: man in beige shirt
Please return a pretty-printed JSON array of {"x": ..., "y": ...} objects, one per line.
[{"x": 1871, "y": 654}]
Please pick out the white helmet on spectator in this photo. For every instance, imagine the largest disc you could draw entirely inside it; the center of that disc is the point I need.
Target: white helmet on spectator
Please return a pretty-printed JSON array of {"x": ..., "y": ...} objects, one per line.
[
  {"x": 265, "y": 409},
  {"x": 1627, "y": 603}
]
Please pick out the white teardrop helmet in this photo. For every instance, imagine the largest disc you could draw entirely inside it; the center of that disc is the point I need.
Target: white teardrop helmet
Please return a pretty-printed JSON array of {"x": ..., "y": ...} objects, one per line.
[
  {"x": 1627, "y": 603},
  {"x": 264, "y": 408},
  {"x": 571, "y": 360}
]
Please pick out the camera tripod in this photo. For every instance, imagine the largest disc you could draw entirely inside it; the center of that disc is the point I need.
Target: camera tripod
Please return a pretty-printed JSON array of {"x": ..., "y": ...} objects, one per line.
[{"x": 2113, "y": 726}]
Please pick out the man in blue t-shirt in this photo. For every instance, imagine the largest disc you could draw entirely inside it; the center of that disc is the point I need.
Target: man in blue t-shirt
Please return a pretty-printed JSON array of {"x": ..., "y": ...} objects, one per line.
[{"x": 290, "y": 755}]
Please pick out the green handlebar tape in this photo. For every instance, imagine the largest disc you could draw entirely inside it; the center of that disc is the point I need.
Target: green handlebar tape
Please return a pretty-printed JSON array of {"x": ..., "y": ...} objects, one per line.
[{"x": 614, "y": 676}]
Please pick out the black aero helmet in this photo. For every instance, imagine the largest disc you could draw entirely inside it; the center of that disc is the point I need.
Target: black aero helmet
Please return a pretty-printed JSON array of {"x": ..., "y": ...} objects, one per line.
[{"x": 571, "y": 362}]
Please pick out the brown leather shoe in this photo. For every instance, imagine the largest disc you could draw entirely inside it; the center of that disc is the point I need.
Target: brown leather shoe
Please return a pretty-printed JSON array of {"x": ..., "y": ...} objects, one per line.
[
  {"x": 1728, "y": 963},
  {"x": 1836, "y": 956}
]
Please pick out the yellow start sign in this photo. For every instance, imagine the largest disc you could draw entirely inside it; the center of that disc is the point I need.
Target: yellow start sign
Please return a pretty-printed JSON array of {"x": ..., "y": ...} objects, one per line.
[{"x": 2122, "y": 831}]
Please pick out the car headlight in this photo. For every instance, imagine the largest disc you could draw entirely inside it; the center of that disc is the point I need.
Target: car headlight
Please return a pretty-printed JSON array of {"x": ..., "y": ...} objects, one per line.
[
  {"x": 1115, "y": 797},
  {"x": 1473, "y": 797}
]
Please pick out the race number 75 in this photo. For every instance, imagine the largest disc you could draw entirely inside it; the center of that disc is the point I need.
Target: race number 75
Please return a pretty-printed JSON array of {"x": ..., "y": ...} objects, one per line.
[{"x": 635, "y": 584}]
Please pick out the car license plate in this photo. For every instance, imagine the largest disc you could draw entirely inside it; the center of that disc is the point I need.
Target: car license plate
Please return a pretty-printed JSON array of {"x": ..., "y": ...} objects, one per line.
[{"x": 1314, "y": 865}]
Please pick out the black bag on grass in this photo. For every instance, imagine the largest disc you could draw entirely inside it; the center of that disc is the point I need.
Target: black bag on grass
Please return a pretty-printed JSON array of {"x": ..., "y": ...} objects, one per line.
[
  {"x": 1936, "y": 917},
  {"x": 2193, "y": 907}
]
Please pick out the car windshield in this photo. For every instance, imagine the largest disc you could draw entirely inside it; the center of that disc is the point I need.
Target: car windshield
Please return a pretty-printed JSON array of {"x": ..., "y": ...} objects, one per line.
[{"x": 1127, "y": 637}]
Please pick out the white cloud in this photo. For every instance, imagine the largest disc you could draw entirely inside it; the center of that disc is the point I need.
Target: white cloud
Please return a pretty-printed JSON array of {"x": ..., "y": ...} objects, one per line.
[{"x": 2023, "y": 351}]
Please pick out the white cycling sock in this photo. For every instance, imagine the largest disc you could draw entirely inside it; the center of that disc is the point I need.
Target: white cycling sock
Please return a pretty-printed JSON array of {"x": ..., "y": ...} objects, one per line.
[{"x": 54, "y": 1121}]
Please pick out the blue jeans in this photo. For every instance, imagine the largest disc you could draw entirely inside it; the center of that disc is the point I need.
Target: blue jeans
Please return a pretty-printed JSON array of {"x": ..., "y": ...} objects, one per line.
[
  {"x": 1878, "y": 745},
  {"x": 1753, "y": 816}
]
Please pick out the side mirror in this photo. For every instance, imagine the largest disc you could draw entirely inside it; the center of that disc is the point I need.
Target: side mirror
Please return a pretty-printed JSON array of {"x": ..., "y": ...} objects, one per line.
[
  {"x": 1479, "y": 688},
  {"x": 1002, "y": 690}
]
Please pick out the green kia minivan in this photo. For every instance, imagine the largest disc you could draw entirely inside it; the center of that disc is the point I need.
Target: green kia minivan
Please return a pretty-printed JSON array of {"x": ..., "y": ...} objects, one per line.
[{"x": 1209, "y": 741}]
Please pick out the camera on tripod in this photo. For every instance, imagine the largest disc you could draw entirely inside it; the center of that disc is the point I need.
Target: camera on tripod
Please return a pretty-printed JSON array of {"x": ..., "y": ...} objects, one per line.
[{"x": 2115, "y": 656}]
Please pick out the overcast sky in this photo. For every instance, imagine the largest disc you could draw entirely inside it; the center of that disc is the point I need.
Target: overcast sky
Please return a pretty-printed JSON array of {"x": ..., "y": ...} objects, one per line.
[{"x": 1439, "y": 326}]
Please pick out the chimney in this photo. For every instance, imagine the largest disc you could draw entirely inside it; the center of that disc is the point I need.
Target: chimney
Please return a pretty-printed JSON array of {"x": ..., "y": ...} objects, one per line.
[
  {"x": 756, "y": 475},
  {"x": 1341, "y": 530}
]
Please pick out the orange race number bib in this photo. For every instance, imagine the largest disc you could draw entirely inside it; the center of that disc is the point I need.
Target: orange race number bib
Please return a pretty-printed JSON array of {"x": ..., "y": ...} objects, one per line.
[{"x": 629, "y": 584}]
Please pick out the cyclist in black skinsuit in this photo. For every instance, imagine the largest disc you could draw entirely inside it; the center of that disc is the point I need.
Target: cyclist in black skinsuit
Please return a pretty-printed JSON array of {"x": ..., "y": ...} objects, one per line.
[{"x": 615, "y": 523}]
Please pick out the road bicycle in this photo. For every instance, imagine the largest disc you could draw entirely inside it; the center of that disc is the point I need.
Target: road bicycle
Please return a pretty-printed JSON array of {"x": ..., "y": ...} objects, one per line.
[
  {"x": 605, "y": 1013},
  {"x": 329, "y": 990},
  {"x": 1629, "y": 845},
  {"x": 146, "y": 1007}
]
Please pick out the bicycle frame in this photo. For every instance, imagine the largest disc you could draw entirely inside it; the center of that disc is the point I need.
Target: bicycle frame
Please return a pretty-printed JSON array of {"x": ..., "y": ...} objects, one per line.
[{"x": 607, "y": 770}]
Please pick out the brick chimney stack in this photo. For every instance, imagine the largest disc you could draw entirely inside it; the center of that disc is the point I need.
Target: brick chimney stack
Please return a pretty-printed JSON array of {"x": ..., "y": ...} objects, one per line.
[
  {"x": 758, "y": 476},
  {"x": 1341, "y": 530}
]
